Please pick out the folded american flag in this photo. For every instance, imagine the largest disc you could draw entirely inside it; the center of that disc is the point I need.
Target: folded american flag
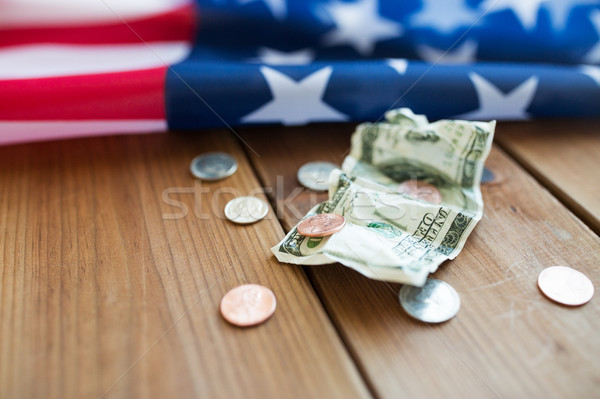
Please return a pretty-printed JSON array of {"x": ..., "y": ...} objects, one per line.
[
  {"x": 75, "y": 67},
  {"x": 86, "y": 67}
]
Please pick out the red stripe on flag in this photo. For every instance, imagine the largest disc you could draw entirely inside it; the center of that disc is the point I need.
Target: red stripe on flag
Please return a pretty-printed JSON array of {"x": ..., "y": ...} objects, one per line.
[
  {"x": 122, "y": 95},
  {"x": 176, "y": 25}
]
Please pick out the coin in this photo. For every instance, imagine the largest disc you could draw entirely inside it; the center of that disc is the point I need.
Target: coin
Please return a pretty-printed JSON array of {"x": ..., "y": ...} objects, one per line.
[
  {"x": 487, "y": 176},
  {"x": 315, "y": 175},
  {"x": 248, "y": 305},
  {"x": 324, "y": 224},
  {"x": 213, "y": 166},
  {"x": 565, "y": 285},
  {"x": 421, "y": 190},
  {"x": 246, "y": 210},
  {"x": 435, "y": 302}
]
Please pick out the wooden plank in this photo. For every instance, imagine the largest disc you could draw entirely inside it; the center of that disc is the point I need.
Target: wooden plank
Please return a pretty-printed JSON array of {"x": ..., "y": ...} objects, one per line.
[
  {"x": 508, "y": 340},
  {"x": 104, "y": 294},
  {"x": 564, "y": 156}
]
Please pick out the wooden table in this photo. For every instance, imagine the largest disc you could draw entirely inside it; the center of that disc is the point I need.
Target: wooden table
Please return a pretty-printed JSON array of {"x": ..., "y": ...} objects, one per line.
[{"x": 113, "y": 260}]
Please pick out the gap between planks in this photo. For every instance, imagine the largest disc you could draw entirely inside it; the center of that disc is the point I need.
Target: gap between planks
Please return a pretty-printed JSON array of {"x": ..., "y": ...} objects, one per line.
[
  {"x": 561, "y": 154},
  {"x": 554, "y": 189}
]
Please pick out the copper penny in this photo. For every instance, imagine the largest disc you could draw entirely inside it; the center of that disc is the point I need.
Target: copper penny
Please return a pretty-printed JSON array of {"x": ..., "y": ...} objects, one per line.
[
  {"x": 324, "y": 224},
  {"x": 248, "y": 305},
  {"x": 565, "y": 285},
  {"x": 421, "y": 190}
]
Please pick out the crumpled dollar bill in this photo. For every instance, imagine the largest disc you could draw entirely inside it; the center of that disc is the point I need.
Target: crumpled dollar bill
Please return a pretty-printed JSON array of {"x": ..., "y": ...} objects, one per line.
[{"x": 390, "y": 235}]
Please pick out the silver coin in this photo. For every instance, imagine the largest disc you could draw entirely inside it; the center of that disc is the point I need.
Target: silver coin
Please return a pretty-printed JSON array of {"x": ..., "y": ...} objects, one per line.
[
  {"x": 435, "y": 302},
  {"x": 487, "y": 176},
  {"x": 213, "y": 166},
  {"x": 244, "y": 210},
  {"x": 315, "y": 175}
]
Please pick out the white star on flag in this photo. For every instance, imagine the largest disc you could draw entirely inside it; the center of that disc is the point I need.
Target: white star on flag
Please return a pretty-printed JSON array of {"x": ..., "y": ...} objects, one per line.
[
  {"x": 277, "y": 7},
  {"x": 591, "y": 71},
  {"x": 463, "y": 54},
  {"x": 359, "y": 24},
  {"x": 275, "y": 57},
  {"x": 560, "y": 10},
  {"x": 525, "y": 10},
  {"x": 399, "y": 64},
  {"x": 446, "y": 15},
  {"x": 296, "y": 103},
  {"x": 493, "y": 104},
  {"x": 593, "y": 56}
]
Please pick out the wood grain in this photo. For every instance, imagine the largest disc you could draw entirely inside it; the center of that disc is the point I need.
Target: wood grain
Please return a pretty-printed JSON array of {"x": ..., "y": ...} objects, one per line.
[
  {"x": 107, "y": 293},
  {"x": 508, "y": 340},
  {"x": 565, "y": 156}
]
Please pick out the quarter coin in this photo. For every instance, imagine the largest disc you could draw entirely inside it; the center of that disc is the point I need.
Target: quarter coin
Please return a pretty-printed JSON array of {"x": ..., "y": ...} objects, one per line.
[
  {"x": 213, "y": 166},
  {"x": 421, "y": 190},
  {"x": 565, "y": 285},
  {"x": 246, "y": 210},
  {"x": 315, "y": 175},
  {"x": 248, "y": 305},
  {"x": 324, "y": 224},
  {"x": 435, "y": 302}
]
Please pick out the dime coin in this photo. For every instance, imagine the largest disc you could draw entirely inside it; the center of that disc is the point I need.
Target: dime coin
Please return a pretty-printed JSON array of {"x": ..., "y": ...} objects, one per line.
[
  {"x": 248, "y": 305},
  {"x": 565, "y": 285},
  {"x": 421, "y": 190},
  {"x": 435, "y": 302},
  {"x": 315, "y": 175},
  {"x": 246, "y": 210},
  {"x": 324, "y": 224},
  {"x": 213, "y": 166}
]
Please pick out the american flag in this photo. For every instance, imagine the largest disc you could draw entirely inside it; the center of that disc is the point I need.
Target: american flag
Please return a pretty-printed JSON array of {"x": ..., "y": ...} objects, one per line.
[
  {"x": 77, "y": 67},
  {"x": 87, "y": 67}
]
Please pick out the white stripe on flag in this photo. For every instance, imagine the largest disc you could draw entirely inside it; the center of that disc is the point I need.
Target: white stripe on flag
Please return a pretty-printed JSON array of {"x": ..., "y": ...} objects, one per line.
[
  {"x": 35, "y": 13},
  {"x": 41, "y": 61}
]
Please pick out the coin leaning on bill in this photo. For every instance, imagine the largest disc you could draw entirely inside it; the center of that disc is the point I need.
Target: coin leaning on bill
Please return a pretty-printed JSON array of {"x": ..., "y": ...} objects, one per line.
[{"x": 315, "y": 175}]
